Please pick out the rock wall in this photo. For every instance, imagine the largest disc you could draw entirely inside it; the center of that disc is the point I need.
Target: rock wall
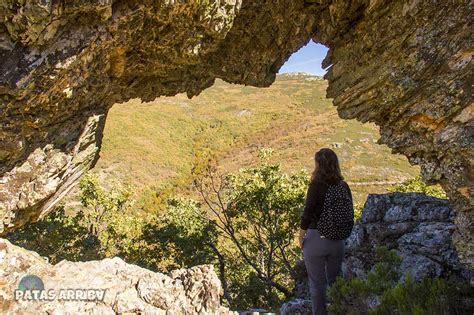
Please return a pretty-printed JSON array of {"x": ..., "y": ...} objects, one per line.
[
  {"x": 128, "y": 288},
  {"x": 405, "y": 65},
  {"x": 417, "y": 226},
  {"x": 408, "y": 67}
]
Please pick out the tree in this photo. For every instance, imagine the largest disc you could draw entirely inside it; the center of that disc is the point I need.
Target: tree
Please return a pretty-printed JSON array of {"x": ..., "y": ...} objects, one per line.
[
  {"x": 258, "y": 210},
  {"x": 180, "y": 237},
  {"x": 57, "y": 236},
  {"x": 101, "y": 204},
  {"x": 101, "y": 226}
]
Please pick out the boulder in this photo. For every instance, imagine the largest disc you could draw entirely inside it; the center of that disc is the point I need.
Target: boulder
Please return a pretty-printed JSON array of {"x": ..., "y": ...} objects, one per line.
[
  {"x": 419, "y": 227},
  {"x": 127, "y": 288}
]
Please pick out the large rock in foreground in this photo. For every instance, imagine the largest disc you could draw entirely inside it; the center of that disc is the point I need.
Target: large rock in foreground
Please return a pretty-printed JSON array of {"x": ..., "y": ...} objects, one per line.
[
  {"x": 128, "y": 288},
  {"x": 417, "y": 226}
]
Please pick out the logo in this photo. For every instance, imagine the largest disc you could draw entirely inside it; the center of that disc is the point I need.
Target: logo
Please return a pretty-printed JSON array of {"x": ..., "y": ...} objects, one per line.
[
  {"x": 31, "y": 282},
  {"x": 32, "y": 288}
]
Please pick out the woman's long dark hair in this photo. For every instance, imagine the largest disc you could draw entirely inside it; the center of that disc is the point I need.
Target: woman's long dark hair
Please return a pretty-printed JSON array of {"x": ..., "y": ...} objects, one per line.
[{"x": 327, "y": 170}]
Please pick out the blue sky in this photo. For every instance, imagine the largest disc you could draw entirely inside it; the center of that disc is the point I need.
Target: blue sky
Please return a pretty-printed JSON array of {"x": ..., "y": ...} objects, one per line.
[{"x": 307, "y": 59}]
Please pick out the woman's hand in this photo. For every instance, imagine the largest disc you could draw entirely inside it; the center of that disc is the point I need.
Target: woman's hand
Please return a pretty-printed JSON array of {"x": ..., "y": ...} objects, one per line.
[{"x": 301, "y": 237}]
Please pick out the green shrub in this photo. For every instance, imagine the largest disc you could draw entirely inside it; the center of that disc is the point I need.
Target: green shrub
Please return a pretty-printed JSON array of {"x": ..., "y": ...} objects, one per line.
[
  {"x": 104, "y": 225},
  {"x": 57, "y": 237},
  {"x": 352, "y": 296},
  {"x": 428, "y": 297},
  {"x": 417, "y": 185},
  {"x": 381, "y": 293},
  {"x": 177, "y": 237}
]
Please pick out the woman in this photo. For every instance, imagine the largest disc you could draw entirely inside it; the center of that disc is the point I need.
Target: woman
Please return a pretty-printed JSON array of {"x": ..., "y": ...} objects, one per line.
[{"x": 322, "y": 253}]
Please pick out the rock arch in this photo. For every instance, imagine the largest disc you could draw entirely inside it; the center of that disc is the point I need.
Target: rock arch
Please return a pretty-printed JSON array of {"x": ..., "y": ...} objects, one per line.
[{"x": 405, "y": 65}]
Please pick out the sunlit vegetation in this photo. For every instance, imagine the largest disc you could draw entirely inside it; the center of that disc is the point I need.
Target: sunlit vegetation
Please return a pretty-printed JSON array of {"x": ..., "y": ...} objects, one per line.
[
  {"x": 153, "y": 145},
  {"x": 417, "y": 185}
]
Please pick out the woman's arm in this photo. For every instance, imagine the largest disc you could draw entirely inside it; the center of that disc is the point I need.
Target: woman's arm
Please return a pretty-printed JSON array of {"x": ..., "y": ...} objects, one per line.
[
  {"x": 309, "y": 205},
  {"x": 313, "y": 204},
  {"x": 313, "y": 207}
]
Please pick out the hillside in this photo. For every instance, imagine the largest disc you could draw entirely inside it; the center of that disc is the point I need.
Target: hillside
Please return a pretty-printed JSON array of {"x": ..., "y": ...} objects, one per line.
[{"x": 151, "y": 143}]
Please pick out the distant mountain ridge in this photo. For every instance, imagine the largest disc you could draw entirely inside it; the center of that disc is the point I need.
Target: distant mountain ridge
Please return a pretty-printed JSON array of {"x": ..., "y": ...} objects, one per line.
[{"x": 299, "y": 74}]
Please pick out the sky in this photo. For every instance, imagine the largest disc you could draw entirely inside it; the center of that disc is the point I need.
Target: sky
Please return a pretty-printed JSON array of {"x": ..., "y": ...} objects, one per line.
[{"x": 307, "y": 59}]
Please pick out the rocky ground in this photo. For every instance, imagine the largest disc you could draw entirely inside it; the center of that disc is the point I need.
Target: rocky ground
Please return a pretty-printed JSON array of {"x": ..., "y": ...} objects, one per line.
[{"x": 128, "y": 288}]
